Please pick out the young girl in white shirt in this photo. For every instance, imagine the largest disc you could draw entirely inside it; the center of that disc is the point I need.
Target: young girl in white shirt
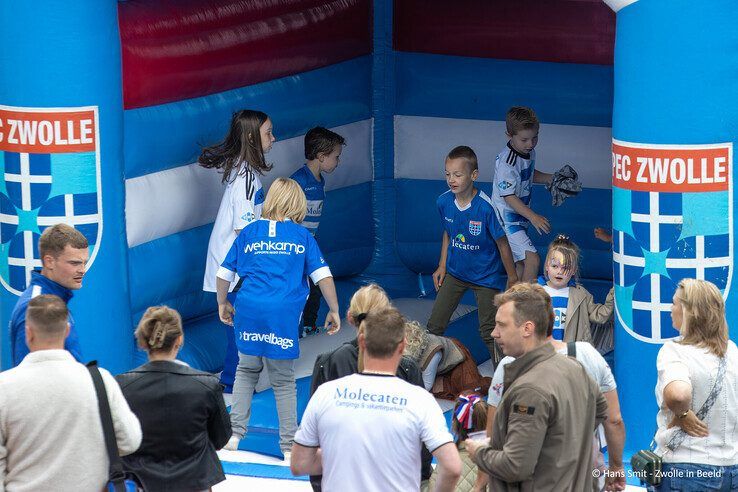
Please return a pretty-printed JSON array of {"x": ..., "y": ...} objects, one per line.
[
  {"x": 574, "y": 306},
  {"x": 240, "y": 158}
]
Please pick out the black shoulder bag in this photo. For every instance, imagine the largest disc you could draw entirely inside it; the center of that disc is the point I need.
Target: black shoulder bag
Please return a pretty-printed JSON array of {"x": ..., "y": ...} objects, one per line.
[
  {"x": 118, "y": 480},
  {"x": 647, "y": 464}
]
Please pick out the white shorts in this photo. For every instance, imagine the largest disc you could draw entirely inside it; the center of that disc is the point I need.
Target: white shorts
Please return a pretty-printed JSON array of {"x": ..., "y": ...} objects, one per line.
[{"x": 519, "y": 244}]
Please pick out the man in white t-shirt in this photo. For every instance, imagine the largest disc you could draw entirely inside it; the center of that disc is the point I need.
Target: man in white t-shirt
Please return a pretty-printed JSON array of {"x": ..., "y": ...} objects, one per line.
[
  {"x": 613, "y": 427},
  {"x": 364, "y": 431}
]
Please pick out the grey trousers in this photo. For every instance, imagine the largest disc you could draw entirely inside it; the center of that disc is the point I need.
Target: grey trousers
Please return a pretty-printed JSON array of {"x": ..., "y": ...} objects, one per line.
[
  {"x": 447, "y": 300},
  {"x": 282, "y": 377}
]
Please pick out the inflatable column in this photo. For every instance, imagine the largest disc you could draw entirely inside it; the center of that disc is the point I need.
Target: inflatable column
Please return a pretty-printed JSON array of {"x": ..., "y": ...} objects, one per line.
[
  {"x": 675, "y": 123},
  {"x": 61, "y": 116}
]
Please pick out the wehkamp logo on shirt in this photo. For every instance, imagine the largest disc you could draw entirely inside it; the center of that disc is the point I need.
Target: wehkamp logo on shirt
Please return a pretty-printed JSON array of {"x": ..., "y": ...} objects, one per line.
[
  {"x": 270, "y": 338},
  {"x": 274, "y": 247}
]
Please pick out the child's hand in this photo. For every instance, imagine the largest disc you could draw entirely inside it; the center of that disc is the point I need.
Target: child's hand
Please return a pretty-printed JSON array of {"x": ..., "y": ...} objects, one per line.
[
  {"x": 438, "y": 277},
  {"x": 603, "y": 235},
  {"x": 226, "y": 312},
  {"x": 332, "y": 322},
  {"x": 540, "y": 223}
]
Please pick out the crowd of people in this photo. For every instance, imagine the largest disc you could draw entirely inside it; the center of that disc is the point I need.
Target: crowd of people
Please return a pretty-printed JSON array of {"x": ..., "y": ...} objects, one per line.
[{"x": 372, "y": 423}]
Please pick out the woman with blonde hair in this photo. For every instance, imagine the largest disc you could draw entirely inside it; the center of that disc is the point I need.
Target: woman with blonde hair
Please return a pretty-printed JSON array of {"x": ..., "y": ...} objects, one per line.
[
  {"x": 274, "y": 256},
  {"x": 348, "y": 359},
  {"x": 181, "y": 410},
  {"x": 696, "y": 391}
]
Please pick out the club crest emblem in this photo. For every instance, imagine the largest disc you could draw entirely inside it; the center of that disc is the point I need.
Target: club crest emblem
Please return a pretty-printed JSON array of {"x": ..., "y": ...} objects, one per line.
[
  {"x": 475, "y": 227},
  {"x": 672, "y": 219},
  {"x": 50, "y": 160}
]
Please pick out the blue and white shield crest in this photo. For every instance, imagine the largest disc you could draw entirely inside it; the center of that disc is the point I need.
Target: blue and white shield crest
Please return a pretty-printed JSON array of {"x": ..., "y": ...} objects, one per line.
[
  {"x": 673, "y": 219},
  {"x": 475, "y": 227},
  {"x": 50, "y": 162}
]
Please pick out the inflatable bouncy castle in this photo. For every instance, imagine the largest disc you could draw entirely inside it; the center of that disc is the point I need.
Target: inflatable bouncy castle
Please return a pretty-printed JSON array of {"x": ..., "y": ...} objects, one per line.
[{"x": 105, "y": 106}]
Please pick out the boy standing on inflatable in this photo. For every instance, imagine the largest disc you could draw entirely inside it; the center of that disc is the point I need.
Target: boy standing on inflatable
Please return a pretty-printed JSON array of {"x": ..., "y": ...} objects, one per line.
[
  {"x": 475, "y": 253},
  {"x": 322, "y": 152},
  {"x": 515, "y": 174},
  {"x": 273, "y": 256}
]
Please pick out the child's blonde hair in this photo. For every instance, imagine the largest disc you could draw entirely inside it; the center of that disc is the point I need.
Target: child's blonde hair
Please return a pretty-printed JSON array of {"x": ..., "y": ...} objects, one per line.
[
  {"x": 469, "y": 415},
  {"x": 368, "y": 298},
  {"x": 285, "y": 200},
  {"x": 569, "y": 251},
  {"x": 520, "y": 118}
]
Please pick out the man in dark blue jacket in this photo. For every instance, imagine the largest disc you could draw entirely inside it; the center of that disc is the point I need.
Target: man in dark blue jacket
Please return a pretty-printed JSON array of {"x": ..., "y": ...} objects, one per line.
[{"x": 64, "y": 254}]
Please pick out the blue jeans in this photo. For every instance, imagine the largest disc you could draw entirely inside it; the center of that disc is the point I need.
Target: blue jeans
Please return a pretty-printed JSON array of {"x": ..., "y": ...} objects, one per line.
[{"x": 687, "y": 477}]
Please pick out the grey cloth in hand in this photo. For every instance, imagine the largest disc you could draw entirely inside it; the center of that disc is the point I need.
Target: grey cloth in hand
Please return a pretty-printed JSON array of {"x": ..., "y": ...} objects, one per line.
[{"x": 565, "y": 183}]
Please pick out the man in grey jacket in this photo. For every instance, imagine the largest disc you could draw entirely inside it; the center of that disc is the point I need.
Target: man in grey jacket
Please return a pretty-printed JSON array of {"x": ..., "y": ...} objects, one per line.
[
  {"x": 51, "y": 437},
  {"x": 542, "y": 432}
]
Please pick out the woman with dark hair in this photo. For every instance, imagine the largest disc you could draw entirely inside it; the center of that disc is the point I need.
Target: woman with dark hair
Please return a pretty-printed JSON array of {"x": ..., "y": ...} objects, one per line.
[
  {"x": 182, "y": 413},
  {"x": 697, "y": 390}
]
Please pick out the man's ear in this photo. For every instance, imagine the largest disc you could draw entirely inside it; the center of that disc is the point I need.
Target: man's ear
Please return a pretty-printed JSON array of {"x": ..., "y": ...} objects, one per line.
[
  {"x": 67, "y": 330},
  {"x": 401, "y": 346},
  {"x": 29, "y": 335},
  {"x": 48, "y": 262},
  {"x": 529, "y": 329},
  {"x": 362, "y": 340}
]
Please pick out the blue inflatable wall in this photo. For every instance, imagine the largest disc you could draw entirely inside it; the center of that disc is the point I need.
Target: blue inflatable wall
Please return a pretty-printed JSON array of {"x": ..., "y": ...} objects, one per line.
[
  {"x": 62, "y": 70},
  {"x": 676, "y": 221}
]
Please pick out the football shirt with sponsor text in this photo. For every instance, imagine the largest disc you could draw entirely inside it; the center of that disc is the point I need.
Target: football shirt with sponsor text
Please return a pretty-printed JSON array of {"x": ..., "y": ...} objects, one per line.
[
  {"x": 472, "y": 230},
  {"x": 274, "y": 260}
]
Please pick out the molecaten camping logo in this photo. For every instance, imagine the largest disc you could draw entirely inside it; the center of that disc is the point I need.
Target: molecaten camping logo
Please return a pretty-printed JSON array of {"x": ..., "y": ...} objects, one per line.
[
  {"x": 673, "y": 219},
  {"x": 50, "y": 160}
]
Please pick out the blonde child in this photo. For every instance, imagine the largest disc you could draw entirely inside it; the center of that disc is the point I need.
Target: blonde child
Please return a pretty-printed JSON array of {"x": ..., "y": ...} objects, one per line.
[
  {"x": 574, "y": 307},
  {"x": 274, "y": 256}
]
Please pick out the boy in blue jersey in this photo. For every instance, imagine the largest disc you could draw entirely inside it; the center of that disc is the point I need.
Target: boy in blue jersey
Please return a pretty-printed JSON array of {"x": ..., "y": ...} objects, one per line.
[
  {"x": 475, "y": 253},
  {"x": 322, "y": 154},
  {"x": 515, "y": 174},
  {"x": 273, "y": 256}
]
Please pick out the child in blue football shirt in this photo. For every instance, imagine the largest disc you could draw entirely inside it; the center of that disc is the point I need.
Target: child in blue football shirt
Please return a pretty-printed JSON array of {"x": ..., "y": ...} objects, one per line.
[
  {"x": 273, "y": 256},
  {"x": 475, "y": 253},
  {"x": 515, "y": 173},
  {"x": 322, "y": 153}
]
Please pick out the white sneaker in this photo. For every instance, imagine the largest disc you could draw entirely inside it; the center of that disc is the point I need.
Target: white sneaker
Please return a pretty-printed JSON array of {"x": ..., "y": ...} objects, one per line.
[{"x": 232, "y": 444}]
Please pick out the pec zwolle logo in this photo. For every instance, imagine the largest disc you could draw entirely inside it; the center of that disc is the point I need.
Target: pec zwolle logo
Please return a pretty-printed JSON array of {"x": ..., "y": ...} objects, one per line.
[
  {"x": 50, "y": 160},
  {"x": 475, "y": 227},
  {"x": 672, "y": 219}
]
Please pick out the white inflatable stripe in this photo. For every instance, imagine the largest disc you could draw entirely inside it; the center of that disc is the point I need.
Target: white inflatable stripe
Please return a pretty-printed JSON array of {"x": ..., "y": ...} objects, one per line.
[
  {"x": 422, "y": 143},
  {"x": 616, "y": 5},
  {"x": 175, "y": 200}
]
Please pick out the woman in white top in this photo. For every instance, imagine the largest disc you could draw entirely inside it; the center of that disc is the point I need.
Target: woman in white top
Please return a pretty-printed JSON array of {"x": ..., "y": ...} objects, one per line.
[{"x": 697, "y": 440}]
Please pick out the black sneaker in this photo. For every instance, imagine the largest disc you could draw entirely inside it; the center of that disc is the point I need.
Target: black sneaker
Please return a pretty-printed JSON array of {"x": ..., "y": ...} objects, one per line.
[{"x": 311, "y": 330}]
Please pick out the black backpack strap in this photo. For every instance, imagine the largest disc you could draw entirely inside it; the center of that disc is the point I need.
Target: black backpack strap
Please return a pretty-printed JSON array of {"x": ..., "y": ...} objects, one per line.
[
  {"x": 571, "y": 349},
  {"x": 115, "y": 470}
]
